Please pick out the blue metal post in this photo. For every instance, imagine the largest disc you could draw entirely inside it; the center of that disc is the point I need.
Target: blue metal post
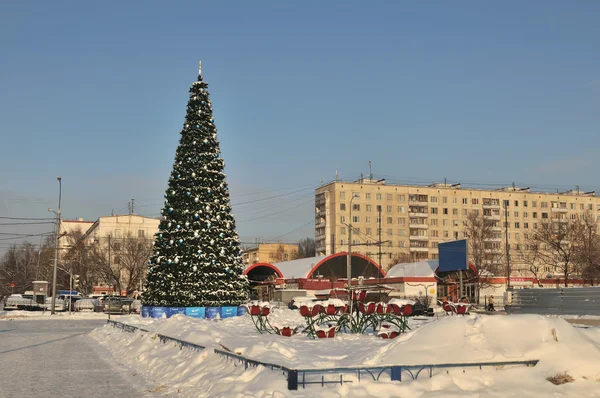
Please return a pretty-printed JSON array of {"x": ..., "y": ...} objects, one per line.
[
  {"x": 292, "y": 379},
  {"x": 396, "y": 373}
]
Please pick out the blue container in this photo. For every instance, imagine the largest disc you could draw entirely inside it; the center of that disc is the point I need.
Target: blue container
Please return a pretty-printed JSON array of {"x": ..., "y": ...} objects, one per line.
[
  {"x": 213, "y": 312},
  {"x": 196, "y": 312},
  {"x": 228, "y": 312},
  {"x": 158, "y": 312},
  {"x": 174, "y": 311},
  {"x": 146, "y": 311},
  {"x": 242, "y": 310}
]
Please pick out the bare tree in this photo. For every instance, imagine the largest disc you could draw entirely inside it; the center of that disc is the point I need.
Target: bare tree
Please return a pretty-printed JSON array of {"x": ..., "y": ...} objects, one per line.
[
  {"x": 588, "y": 248},
  {"x": 483, "y": 249},
  {"x": 18, "y": 266},
  {"x": 399, "y": 258},
  {"x": 306, "y": 248},
  {"x": 121, "y": 262},
  {"x": 557, "y": 242},
  {"x": 279, "y": 255},
  {"x": 529, "y": 254}
]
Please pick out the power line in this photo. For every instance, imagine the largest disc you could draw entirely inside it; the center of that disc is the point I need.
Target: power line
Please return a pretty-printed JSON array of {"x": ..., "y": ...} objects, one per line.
[
  {"x": 273, "y": 197},
  {"x": 275, "y": 213},
  {"x": 294, "y": 230}
]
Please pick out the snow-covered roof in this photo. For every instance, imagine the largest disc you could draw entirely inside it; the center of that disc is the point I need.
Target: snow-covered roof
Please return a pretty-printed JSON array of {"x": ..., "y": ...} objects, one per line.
[
  {"x": 298, "y": 268},
  {"x": 420, "y": 268}
]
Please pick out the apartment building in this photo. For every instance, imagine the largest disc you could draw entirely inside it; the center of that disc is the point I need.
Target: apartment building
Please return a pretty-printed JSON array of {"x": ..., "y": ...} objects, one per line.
[
  {"x": 269, "y": 253},
  {"x": 409, "y": 221}
]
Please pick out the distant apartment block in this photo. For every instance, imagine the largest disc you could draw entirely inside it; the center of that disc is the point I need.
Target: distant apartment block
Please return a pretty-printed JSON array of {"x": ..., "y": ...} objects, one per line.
[
  {"x": 270, "y": 253},
  {"x": 412, "y": 220}
]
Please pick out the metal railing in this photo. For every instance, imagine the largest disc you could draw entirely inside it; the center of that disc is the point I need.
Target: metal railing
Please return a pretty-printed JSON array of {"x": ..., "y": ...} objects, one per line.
[
  {"x": 556, "y": 301},
  {"x": 305, "y": 376}
]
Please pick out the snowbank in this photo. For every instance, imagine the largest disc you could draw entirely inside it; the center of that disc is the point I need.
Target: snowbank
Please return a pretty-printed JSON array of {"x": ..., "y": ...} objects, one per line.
[{"x": 559, "y": 346}]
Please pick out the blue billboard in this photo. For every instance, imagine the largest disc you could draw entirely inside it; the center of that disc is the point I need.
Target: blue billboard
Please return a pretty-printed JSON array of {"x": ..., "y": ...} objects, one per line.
[{"x": 453, "y": 256}]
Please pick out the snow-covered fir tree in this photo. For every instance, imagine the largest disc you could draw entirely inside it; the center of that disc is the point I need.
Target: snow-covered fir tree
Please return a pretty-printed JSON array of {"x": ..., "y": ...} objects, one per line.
[{"x": 196, "y": 261}]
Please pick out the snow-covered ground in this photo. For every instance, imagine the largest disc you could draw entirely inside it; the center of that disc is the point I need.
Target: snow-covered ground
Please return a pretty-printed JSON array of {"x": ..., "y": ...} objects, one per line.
[
  {"x": 559, "y": 346},
  {"x": 40, "y": 315}
]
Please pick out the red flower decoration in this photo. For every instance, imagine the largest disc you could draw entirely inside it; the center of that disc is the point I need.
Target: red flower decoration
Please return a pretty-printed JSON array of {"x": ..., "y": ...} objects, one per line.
[
  {"x": 285, "y": 331},
  {"x": 362, "y": 295},
  {"x": 380, "y": 309},
  {"x": 255, "y": 310},
  {"x": 316, "y": 309},
  {"x": 265, "y": 311},
  {"x": 322, "y": 334},
  {"x": 393, "y": 308},
  {"x": 407, "y": 309},
  {"x": 332, "y": 310},
  {"x": 370, "y": 308},
  {"x": 304, "y": 311},
  {"x": 394, "y": 334}
]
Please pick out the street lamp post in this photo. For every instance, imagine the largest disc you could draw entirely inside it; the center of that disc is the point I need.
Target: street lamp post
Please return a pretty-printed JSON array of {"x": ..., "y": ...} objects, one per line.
[
  {"x": 349, "y": 257},
  {"x": 53, "y": 303}
]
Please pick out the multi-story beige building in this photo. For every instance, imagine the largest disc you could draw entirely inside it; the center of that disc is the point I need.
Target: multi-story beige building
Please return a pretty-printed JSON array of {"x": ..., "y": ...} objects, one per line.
[
  {"x": 72, "y": 227},
  {"x": 269, "y": 253},
  {"x": 410, "y": 221}
]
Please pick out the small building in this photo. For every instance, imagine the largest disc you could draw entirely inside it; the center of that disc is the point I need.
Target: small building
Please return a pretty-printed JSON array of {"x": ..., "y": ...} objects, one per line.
[{"x": 270, "y": 252}]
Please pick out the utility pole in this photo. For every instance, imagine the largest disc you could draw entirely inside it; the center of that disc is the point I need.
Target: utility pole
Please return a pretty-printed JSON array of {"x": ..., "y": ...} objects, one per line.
[
  {"x": 379, "y": 228},
  {"x": 109, "y": 288},
  {"x": 132, "y": 206},
  {"x": 507, "y": 246},
  {"x": 57, "y": 236},
  {"x": 349, "y": 256}
]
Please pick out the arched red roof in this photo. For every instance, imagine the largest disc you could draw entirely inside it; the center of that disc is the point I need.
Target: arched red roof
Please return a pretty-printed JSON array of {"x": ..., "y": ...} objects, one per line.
[
  {"x": 257, "y": 265},
  {"x": 344, "y": 254}
]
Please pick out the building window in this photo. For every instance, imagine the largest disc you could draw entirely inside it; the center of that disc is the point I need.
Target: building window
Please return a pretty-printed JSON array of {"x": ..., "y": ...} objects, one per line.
[
  {"x": 524, "y": 203},
  {"x": 455, "y": 200},
  {"x": 390, "y": 232},
  {"x": 434, "y": 245},
  {"x": 342, "y": 242},
  {"x": 534, "y": 225},
  {"x": 401, "y": 220},
  {"x": 525, "y": 214},
  {"x": 517, "y": 225},
  {"x": 378, "y": 196},
  {"x": 433, "y": 199},
  {"x": 434, "y": 210},
  {"x": 445, "y": 210},
  {"x": 455, "y": 212},
  {"x": 342, "y": 206},
  {"x": 400, "y": 232},
  {"x": 456, "y": 235},
  {"x": 355, "y": 218},
  {"x": 356, "y": 195},
  {"x": 506, "y": 203},
  {"x": 516, "y": 214},
  {"x": 474, "y": 201},
  {"x": 543, "y": 205},
  {"x": 534, "y": 203},
  {"x": 444, "y": 199},
  {"x": 342, "y": 230},
  {"x": 118, "y": 233},
  {"x": 368, "y": 207},
  {"x": 343, "y": 195},
  {"x": 544, "y": 215},
  {"x": 368, "y": 196},
  {"x": 446, "y": 234},
  {"x": 388, "y": 209},
  {"x": 117, "y": 247},
  {"x": 141, "y": 233},
  {"x": 444, "y": 222},
  {"x": 534, "y": 214},
  {"x": 433, "y": 221},
  {"x": 434, "y": 233},
  {"x": 516, "y": 203},
  {"x": 590, "y": 207},
  {"x": 389, "y": 220},
  {"x": 464, "y": 212},
  {"x": 455, "y": 222},
  {"x": 526, "y": 225},
  {"x": 400, "y": 209},
  {"x": 356, "y": 206},
  {"x": 117, "y": 260},
  {"x": 342, "y": 219},
  {"x": 401, "y": 244},
  {"x": 368, "y": 219},
  {"x": 476, "y": 212},
  {"x": 400, "y": 198},
  {"x": 465, "y": 201},
  {"x": 368, "y": 232},
  {"x": 388, "y": 196},
  {"x": 581, "y": 206}
]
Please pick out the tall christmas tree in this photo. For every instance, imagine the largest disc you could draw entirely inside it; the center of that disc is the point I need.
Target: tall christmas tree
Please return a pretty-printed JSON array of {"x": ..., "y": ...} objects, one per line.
[{"x": 196, "y": 260}]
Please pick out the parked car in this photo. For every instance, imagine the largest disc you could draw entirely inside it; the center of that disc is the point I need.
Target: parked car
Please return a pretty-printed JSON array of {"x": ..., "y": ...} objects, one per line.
[
  {"x": 59, "y": 305},
  {"x": 113, "y": 305},
  {"x": 14, "y": 301},
  {"x": 136, "y": 306},
  {"x": 298, "y": 301},
  {"x": 88, "y": 304}
]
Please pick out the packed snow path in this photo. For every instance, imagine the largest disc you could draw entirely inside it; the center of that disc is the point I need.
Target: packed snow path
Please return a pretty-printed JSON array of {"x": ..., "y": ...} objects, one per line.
[{"x": 52, "y": 358}]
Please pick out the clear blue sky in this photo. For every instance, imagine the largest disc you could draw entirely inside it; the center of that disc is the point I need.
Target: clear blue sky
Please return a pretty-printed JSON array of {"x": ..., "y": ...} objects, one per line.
[{"x": 477, "y": 92}]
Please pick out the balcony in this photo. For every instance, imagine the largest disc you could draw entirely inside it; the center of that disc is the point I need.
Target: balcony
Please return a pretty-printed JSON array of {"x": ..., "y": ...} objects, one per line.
[
  {"x": 494, "y": 239},
  {"x": 497, "y": 228},
  {"x": 561, "y": 220},
  {"x": 418, "y": 237},
  {"x": 492, "y": 216},
  {"x": 417, "y": 203},
  {"x": 559, "y": 210},
  {"x": 419, "y": 215},
  {"x": 491, "y": 206},
  {"x": 420, "y": 226},
  {"x": 418, "y": 249}
]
